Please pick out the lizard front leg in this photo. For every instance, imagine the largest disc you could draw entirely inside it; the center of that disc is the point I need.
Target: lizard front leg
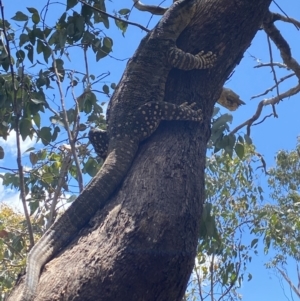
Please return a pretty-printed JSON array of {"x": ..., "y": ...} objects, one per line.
[
  {"x": 177, "y": 58},
  {"x": 145, "y": 121}
]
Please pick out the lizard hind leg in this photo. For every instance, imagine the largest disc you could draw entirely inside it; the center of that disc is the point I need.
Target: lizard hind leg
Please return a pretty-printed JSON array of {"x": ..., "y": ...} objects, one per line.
[
  {"x": 149, "y": 115},
  {"x": 99, "y": 140}
]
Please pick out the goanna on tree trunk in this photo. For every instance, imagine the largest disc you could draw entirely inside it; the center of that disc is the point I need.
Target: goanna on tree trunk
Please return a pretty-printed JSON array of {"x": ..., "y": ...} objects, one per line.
[{"x": 142, "y": 244}]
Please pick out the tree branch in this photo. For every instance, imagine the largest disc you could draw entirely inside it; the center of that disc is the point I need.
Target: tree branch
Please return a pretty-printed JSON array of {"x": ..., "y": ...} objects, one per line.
[
  {"x": 270, "y": 101},
  {"x": 286, "y": 19},
  {"x": 288, "y": 280},
  {"x": 283, "y": 46},
  {"x": 114, "y": 17},
  {"x": 285, "y": 52},
  {"x": 273, "y": 87},
  {"x": 71, "y": 136},
  {"x": 153, "y": 9}
]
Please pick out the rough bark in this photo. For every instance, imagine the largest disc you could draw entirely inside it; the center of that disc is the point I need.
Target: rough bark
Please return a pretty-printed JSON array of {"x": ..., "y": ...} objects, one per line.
[{"x": 142, "y": 245}]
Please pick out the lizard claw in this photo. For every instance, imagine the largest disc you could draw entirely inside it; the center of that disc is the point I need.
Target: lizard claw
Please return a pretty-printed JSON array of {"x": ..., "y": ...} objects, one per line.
[
  {"x": 209, "y": 58},
  {"x": 195, "y": 115}
]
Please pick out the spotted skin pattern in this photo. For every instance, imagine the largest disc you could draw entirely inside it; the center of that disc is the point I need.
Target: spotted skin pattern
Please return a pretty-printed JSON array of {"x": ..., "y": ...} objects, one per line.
[
  {"x": 146, "y": 121},
  {"x": 133, "y": 114},
  {"x": 99, "y": 140}
]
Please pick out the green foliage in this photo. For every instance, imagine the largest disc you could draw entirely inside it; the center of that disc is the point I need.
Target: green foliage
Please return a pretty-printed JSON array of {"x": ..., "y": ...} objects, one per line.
[
  {"x": 222, "y": 139},
  {"x": 236, "y": 216},
  {"x": 281, "y": 215},
  {"x": 35, "y": 74},
  {"x": 230, "y": 213},
  {"x": 25, "y": 83},
  {"x": 13, "y": 247}
]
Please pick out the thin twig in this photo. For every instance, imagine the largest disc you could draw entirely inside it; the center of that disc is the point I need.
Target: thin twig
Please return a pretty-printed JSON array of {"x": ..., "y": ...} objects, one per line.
[
  {"x": 43, "y": 17},
  {"x": 267, "y": 116},
  {"x": 66, "y": 162},
  {"x": 199, "y": 283},
  {"x": 276, "y": 64},
  {"x": 10, "y": 169},
  {"x": 288, "y": 280},
  {"x": 228, "y": 289},
  {"x": 77, "y": 113},
  {"x": 288, "y": 60},
  {"x": 72, "y": 139},
  {"x": 274, "y": 73},
  {"x": 265, "y": 102},
  {"x": 85, "y": 48},
  {"x": 212, "y": 277},
  {"x": 114, "y": 17},
  {"x": 273, "y": 87},
  {"x": 263, "y": 162}
]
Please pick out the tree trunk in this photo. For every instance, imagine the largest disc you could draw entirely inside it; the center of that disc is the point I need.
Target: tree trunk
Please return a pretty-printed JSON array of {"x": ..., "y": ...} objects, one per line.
[{"x": 142, "y": 245}]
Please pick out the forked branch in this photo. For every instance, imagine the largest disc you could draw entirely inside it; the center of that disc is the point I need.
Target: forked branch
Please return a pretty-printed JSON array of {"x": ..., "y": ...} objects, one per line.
[{"x": 291, "y": 64}]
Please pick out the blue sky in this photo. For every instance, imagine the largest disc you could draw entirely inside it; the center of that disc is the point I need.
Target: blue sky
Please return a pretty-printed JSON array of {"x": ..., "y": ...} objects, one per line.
[{"x": 269, "y": 137}]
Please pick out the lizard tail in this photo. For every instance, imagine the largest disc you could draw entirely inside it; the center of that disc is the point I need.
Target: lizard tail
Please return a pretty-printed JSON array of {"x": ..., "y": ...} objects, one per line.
[{"x": 92, "y": 198}]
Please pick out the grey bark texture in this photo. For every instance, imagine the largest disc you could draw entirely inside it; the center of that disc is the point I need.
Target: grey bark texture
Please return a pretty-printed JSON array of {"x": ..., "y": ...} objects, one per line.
[{"x": 142, "y": 244}]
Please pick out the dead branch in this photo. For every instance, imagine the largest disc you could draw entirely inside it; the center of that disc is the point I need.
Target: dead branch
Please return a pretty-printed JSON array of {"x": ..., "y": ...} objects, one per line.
[
  {"x": 285, "y": 52},
  {"x": 273, "y": 87},
  {"x": 288, "y": 280},
  {"x": 71, "y": 134},
  {"x": 270, "y": 101},
  {"x": 275, "y": 64},
  {"x": 274, "y": 74},
  {"x": 279, "y": 17},
  {"x": 283, "y": 46},
  {"x": 153, "y": 9},
  {"x": 259, "y": 122}
]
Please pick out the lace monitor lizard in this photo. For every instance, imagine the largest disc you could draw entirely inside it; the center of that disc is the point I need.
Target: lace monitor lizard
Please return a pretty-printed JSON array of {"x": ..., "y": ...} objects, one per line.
[
  {"x": 99, "y": 138},
  {"x": 228, "y": 98},
  {"x": 135, "y": 111}
]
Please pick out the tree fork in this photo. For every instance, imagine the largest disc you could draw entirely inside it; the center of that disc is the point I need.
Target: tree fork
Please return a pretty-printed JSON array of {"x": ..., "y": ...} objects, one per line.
[{"x": 142, "y": 245}]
